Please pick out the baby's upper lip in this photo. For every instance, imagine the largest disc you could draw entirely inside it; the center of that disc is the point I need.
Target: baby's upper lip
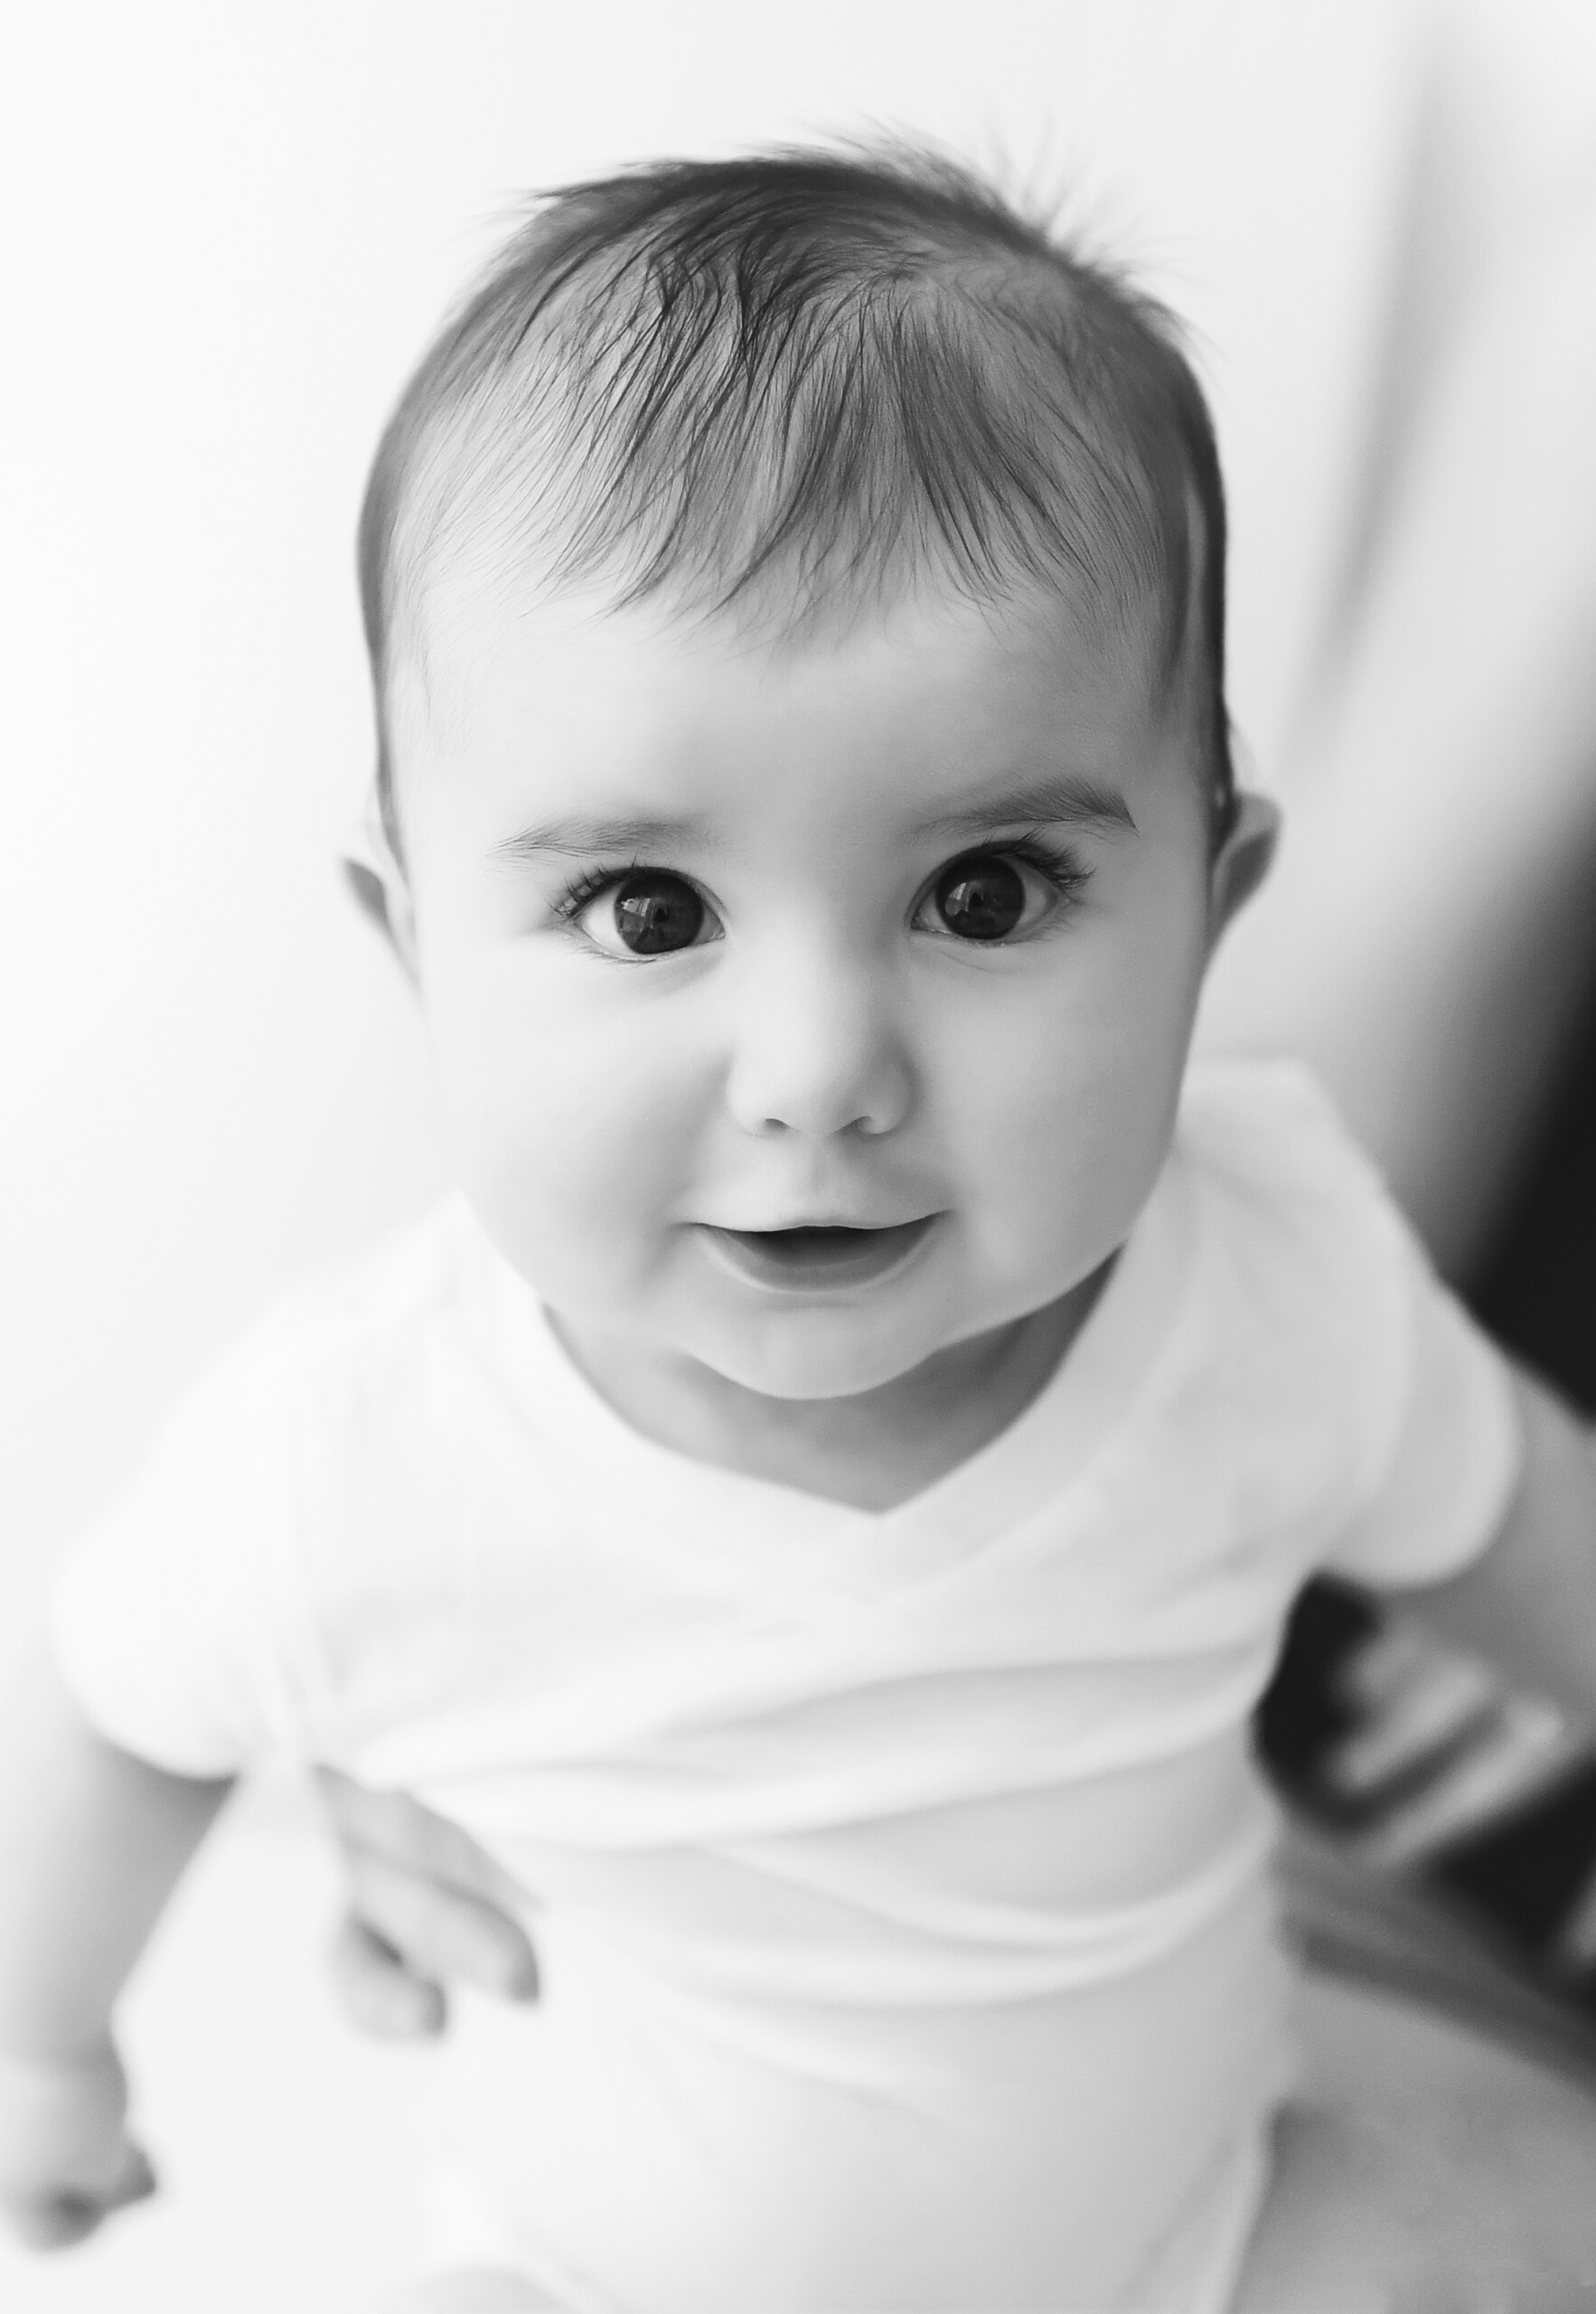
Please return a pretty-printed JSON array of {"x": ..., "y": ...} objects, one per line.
[{"x": 827, "y": 1220}]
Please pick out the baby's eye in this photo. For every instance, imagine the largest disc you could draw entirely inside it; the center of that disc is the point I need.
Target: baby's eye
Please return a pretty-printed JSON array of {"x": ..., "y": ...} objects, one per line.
[
  {"x": 647, "y": 913},
  {"x": 994, "y": 896}
]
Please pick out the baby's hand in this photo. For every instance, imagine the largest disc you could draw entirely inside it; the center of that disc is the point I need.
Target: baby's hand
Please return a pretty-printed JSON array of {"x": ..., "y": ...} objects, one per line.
[
  {"x": 66, "y": 2160},
  {"x": 1442, "y": 1747},
  {"x": 429, "y": 1907}
]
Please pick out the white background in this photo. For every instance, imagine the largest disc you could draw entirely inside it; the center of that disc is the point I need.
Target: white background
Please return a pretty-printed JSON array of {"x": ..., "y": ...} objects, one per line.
[{"x": 229, "y": 231}]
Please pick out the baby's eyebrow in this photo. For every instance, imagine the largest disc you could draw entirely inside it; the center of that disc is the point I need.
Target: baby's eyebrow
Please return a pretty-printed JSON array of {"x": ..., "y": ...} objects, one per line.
[
  {"x": 1066, "y": 796},
  {"x": 578, "y": 839}
]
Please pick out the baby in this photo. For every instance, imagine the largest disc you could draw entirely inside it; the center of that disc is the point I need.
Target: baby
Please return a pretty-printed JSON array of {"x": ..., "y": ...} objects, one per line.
[{"x": 819, "y": 1506}]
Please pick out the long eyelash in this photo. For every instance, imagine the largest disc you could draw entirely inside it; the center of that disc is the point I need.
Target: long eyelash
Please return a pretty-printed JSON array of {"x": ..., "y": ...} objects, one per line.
[
  {"x": 1064, "y": 870},
  {"x": 588, "y": 885}
]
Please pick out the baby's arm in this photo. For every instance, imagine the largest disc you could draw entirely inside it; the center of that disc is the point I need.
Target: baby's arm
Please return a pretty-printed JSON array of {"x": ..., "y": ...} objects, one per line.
[
  {"x": 91, "y": 1843},
  {"x": 1529, "y": 1604}
]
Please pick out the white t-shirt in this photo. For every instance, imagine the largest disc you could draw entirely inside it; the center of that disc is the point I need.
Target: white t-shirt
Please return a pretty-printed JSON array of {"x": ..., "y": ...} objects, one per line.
[{"x": 899, "y": 1880}]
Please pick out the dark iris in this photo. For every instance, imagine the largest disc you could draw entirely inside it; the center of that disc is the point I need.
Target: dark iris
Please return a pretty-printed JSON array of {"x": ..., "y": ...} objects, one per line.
[
  {"x": 655, "y": 914},
  {"x": 980, "y": 898}
]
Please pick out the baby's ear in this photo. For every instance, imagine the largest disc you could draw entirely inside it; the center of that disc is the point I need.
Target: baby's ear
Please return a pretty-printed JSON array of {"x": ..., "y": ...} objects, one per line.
[
  {"x": 1243, "y": 859},
  {"x": 379, "y": 882}
]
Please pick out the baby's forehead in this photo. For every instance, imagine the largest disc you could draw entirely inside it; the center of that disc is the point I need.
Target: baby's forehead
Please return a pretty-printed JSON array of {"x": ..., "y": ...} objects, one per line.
[
  {"x": 532, "y": 692},
  {"x": 490, "y": 596}
]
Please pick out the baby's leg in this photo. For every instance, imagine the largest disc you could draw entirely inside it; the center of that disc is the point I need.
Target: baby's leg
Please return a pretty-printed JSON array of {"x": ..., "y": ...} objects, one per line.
[
  {"x": 477, "y": 2289},
  {"x": 1427, "y": 2171}
]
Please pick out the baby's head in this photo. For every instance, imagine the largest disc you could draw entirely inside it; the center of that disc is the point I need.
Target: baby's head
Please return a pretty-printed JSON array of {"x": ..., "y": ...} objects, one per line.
[{"x": 795, "y": 594}]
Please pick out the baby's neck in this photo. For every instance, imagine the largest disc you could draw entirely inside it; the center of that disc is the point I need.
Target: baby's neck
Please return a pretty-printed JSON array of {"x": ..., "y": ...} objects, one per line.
[{"x": 872, "y": 1451}]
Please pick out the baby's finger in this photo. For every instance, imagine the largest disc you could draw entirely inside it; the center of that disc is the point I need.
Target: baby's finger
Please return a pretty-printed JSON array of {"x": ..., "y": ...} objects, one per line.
[
  {"x": 54, "y": 2221},
  {"x": 1573, "y": 1948},
  {"x": 1517, "y": 1751},
  {"x": 398, "y": 1829},
  {"x": 1431, "y": 1708},
  {"x": 136, "y": 2182},
  {"x": 379, "y": 1994},
  {"x": 439, "y": 1933},
  {"x": 1377, "y": 1667}
]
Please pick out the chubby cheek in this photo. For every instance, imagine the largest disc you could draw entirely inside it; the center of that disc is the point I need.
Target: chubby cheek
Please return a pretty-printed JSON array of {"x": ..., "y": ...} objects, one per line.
[
  {"x": 1058, "y": 1124},
  {"x": 574, "y": 1140},
  {"x": 1080, "y": 1166}
]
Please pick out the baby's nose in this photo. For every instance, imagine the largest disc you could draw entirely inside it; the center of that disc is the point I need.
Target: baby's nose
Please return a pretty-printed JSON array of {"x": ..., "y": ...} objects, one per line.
[{"x": 818, "y": 1050}]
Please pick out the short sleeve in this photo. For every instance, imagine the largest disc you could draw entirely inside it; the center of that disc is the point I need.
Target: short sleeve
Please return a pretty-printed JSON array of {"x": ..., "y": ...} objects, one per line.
[
  {"x": 1386, "y": 1420},
  {"x": 1455, "y": 1449},
  {"x": 173, "y": 1621}
]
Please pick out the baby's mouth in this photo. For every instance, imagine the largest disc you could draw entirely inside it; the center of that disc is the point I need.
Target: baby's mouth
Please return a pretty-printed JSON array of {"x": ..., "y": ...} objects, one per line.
[{"x": 810, "y": 1261}]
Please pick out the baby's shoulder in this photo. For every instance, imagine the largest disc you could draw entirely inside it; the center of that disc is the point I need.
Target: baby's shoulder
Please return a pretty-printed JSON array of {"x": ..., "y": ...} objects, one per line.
[
  {"x": 347, "y": 1331},
  {"x": 1262, "y": 1143},
  {"x": 1301, "y": 1237}
]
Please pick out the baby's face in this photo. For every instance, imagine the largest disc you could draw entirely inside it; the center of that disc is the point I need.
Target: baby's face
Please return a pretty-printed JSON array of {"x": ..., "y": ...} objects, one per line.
[{"x": 898, "y": 932}]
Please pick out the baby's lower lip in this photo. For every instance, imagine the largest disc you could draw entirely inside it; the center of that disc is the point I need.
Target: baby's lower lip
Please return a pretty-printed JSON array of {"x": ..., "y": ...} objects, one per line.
[{"x": 815, "y": 1261}]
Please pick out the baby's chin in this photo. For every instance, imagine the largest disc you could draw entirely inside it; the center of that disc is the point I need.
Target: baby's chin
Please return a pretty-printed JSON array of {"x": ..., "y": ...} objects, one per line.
[{"x": 816, "y": 1354}]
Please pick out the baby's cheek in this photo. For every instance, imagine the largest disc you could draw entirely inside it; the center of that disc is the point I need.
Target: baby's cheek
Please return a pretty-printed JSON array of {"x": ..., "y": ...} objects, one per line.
[
  {"x": 1056, "y": 1181},
  {"x": 577, "y": 1163}
]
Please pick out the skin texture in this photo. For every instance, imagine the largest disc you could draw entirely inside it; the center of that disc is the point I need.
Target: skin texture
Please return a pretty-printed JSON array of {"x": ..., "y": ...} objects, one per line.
[{"x": 829, "y": 1053}]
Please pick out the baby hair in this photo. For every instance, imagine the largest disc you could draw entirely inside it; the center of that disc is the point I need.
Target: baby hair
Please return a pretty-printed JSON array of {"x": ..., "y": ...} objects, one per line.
[{"x": 777, "y": 386}]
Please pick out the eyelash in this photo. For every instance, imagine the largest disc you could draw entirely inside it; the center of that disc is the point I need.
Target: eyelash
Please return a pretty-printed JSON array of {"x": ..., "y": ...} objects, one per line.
[
  {"x": 588, "y": 887},
  {"x": 1062, "y": 869},
  {"x": 1057, "y": 866},
  {"x": 1055, "y": 863}
]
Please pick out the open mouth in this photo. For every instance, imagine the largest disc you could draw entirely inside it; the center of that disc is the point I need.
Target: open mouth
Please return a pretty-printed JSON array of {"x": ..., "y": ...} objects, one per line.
[{"x": 809, "y": 1260}]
